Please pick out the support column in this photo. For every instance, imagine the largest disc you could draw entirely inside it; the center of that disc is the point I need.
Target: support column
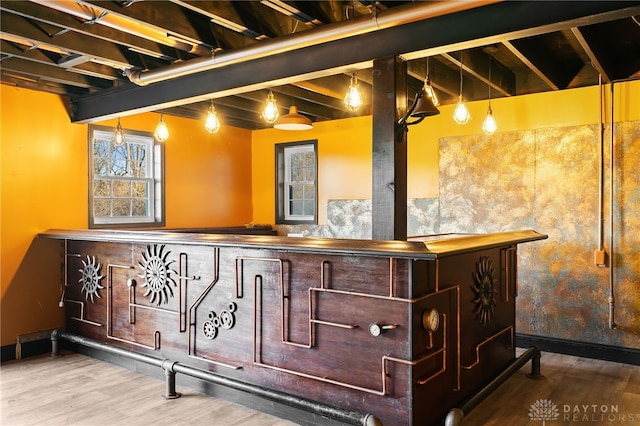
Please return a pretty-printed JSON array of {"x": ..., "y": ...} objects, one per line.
[{"x": 389, "y": 186}]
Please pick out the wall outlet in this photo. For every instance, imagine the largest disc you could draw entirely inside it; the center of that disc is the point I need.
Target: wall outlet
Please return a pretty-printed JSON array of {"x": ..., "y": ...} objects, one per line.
[{"x": 600, "y": 258}]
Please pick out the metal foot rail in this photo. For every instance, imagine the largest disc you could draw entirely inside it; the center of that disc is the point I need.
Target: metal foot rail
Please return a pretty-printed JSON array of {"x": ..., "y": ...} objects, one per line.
[
  {"x": 455, "y": 415},
  {"x": 173, "y": 367}
]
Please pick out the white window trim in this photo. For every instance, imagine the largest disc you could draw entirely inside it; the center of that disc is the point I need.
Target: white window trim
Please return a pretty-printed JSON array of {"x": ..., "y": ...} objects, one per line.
[
  {"x": 283, "y": 176},
  {"x": 154, "y": 164}
]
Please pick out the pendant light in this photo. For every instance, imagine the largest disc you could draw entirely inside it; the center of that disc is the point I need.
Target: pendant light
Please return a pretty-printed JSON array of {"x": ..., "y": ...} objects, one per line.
[
  {"x": 118, "y": 135},
  {"x": 162, "y": 131},
  {"x": 489, "y": 125},
  {"x": 293, "y": 121},
  {"x": 461, "y": 114},
  {"x": 212, "y": 123},
  {"x": 353, "y": 98},
  {"x": 270, "y": 113},
  {"x": 428, "y": 89}
]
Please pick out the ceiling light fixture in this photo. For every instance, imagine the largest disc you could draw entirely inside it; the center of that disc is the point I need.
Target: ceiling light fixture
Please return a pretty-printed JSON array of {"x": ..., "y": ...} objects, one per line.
[
  {"x": 270, "y": 113},
  {"x": 212, "y": 123},
  {"x": 162, "y": 131},
  {"x": 461, "y": 114},
  {"x": 353, "y": 98},
  {"x": 489, "y": 125},
  {"x": 293, "y": 121},
  {"x": 118, "y": 135},
  {"x": 429, "y": 90}
]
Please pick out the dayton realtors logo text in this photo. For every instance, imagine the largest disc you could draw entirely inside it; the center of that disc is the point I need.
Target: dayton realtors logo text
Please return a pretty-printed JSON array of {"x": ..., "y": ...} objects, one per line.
[{"x": 546, "y": 411}]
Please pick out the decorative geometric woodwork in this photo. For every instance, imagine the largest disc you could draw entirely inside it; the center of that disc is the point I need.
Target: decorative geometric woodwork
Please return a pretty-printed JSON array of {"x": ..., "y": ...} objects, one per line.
[{"x": 307, "y": 308}]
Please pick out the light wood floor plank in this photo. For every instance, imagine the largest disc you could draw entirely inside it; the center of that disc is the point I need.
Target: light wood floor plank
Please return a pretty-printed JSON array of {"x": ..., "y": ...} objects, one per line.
[{"x": 79, "y": 390}]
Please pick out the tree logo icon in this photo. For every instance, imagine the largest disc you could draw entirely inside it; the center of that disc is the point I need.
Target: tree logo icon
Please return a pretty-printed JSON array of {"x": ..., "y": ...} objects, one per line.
[{"x": 544, "y": 410}]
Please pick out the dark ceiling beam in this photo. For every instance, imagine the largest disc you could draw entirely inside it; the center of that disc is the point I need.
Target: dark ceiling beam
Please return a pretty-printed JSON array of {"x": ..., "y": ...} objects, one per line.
[
  {"x": 478, "y": 65},
  {"x": 73, "y": 42},
  {"x": 52, "y": 73},
  {"x": 39, "y": 56},
  {"x": 198, "y": 112},
  {"x": 268, "y": 21},
  {"x": 593, "y": 58},
  {"x": 313, "y": 97},
  {"x": 285, "y": 101},
  {"x": 222, "y": 13},
  {"x": 324, "y": 12},
  {"x": 621, "y": 59},
  {"x": 443, "y": 78},
  {"x": 64, "y": 20},
  {"x": 550, "y": 56},
  {"x": 169, "y": 17},
  {"x": 531, "y": 65},
  {"x": 475, "y": 28},
  {"x": 28, "y": 82}
]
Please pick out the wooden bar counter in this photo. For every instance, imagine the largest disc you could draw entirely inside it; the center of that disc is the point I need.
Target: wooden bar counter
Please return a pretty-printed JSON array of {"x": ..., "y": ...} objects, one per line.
[{"x": 401, "y": 330}]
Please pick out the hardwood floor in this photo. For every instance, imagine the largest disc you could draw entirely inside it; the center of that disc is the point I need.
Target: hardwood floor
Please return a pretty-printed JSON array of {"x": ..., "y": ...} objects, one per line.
[{"x": 71, "y": 391}]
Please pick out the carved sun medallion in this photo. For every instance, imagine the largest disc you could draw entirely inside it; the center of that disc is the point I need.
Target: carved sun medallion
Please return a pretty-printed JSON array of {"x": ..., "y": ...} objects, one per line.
[
  {"x": 91, "y": 278},
  {"x": 157, "y": 274},
  {"x": 484, "y": 291}
]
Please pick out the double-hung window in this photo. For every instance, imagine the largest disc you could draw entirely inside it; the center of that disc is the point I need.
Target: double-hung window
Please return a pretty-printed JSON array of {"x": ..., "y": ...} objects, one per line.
[
  {"x": 296, "y": 182},
  {"x": 125, "y": 181}
]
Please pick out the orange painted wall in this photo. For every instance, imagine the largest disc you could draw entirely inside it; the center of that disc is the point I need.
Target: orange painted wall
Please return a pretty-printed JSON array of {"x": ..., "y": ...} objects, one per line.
[
  {"x": 43, "y": 178},
  {"x": 211, "y": 180},
  {"x": 344, "y": 146}
]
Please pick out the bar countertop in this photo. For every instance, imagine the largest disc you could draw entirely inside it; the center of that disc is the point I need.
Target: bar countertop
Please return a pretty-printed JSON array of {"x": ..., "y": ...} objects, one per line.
[{"x": 425, "y": 247}]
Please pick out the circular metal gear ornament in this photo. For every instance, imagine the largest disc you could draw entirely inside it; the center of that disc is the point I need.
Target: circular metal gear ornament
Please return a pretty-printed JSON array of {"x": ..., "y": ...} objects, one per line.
[
  {"x": 210, "y": 327},
  {"x": 484, "y": 291},
  {"x": 225, "y": 320},
  {"x": 91, "y": 278},
  {"x": 157, "y": 274}
]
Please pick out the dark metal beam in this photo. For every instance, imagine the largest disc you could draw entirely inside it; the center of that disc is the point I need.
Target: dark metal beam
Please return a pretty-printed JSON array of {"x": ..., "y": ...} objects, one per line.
[{"x": 475, "y": 28}]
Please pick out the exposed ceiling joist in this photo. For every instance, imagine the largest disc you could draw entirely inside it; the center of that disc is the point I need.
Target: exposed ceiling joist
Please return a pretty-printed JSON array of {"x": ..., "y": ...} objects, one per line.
[{"x": 79, "y": 48}]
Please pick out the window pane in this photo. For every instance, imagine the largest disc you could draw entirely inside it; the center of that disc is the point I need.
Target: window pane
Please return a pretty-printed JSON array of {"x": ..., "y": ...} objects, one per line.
[
  {"x": 309, "y": 192},
  {"x": 296, "y": 192},
  {"x": 137, "y": 160},
  {"x": 101, "y": 207},
  {"x": 308, "y": 207},
  {"x": 296, "y": 208},
  {"x": 121, "y": 188},
  {"x": 139, "y": 189},
  {"x": 121, "y": 207},
  {"x": 101, "y": 188},
  {"x": 139, "y": 207}
]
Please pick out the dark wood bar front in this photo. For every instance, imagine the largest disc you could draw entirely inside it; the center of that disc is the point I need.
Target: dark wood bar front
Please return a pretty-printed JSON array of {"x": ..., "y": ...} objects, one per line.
[{"x": 400, "y": 330}]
